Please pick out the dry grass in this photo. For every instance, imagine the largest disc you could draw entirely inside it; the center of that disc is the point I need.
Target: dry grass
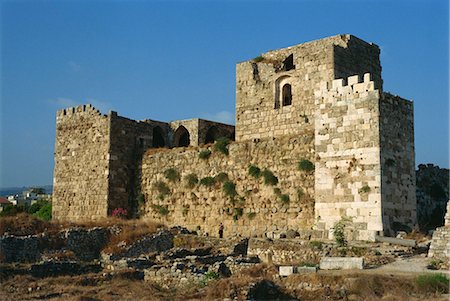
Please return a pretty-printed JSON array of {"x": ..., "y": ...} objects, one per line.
[
  {"x": 129, "y": 232},
  {"x": 24, "y": 224}
]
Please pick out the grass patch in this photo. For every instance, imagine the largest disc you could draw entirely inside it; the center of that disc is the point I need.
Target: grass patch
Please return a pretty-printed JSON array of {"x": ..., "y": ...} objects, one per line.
[
  {"x": 316, "y": 244},
  {"x": 284, "y": 198},
  {"x": 254, "y": 171},
  {"x": 191, "y": 180},
  {"x": 305, "y": 165},
  {"x": 204, "y": 154},
  {"x": 221, "y": 145},
  {"x": 438, "y": 283},
  {"x": 172, "y": 174},
  {"x": 269, "y": 177},
  {"x": 258, "y": 59},
  {"x": 237, "y": 213}
]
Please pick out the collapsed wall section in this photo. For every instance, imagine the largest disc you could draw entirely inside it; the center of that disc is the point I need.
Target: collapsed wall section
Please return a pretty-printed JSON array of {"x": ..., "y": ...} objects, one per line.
[
  {"x": 80, "y": 185},
  {"x": 397, "y": 164},
  {"x": 348, "y": 175},
  {"x": 254, "y": 208}
]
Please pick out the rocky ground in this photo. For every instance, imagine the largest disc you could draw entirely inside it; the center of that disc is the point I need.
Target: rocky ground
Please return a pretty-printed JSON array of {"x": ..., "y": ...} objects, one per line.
[{"x": 135, "y": 261}]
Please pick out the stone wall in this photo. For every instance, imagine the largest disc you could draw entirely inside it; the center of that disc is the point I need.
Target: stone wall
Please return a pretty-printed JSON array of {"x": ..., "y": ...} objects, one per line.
[
  {"x": 259, "y": 110},
  {"x": 205, "y": 207},
  {"x": 397, "y": 164},
  {"x": 440, "y": 244},
  {"x": 347, "y": 180},
  {"x": 80, "y": 185}
]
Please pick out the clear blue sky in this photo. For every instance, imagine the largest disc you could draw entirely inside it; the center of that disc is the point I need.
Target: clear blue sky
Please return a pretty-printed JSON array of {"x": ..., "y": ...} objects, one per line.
[{"x": 169, "y": 60}]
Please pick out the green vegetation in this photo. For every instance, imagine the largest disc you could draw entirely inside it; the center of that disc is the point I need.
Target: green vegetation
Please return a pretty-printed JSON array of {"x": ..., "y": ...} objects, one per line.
[
  {"x": 140, "y": 199},
  {"x": 162, "y": 188},
  {"x": 160, "y": 209},
  {"x": 172, "y": 174},
  {"x": 269, "y": 177},
  {"x": 316, "y": 244},
  {"x": 305, "y": 165},
  {"x": 364, "y": 189},
  {"x": 185, "y": 210},
  {"x": 229, "y": 188},
  {"x": 221, "y": 145},
  {"x": 300, "y": 193},
  {"x": 284, "y": 198},
  {"x": 258, "y": 59},
  {"x": 237, "y": 213},
  {"x": 221, "y": 177},
  {"x": 254, "y": 171},
  {"x": 191, "y": 180},
  {"x": 204, "y": 154},
  {"x": 208, "y": 181},
  {"x": 438, "y": 283},
  {"x": 209, "y": 276},
  {"x": 41, "y": 209},
  {"x": 45, "y": 212},
  {"x": 251, "y": 215},
  {"x": 339, "y": 232}
]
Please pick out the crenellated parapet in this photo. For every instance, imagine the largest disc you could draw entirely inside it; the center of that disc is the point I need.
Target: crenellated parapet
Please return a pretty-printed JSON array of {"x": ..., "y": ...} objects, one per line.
[
  {"x": 351, "y": 87},
  {"x": 87, "y": 109}
]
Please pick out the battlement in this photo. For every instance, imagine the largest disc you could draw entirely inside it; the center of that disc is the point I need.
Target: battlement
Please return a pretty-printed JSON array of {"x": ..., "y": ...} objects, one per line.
[
  {"x": 78, "y": 110},
  {"x": 351, "y": 85}
]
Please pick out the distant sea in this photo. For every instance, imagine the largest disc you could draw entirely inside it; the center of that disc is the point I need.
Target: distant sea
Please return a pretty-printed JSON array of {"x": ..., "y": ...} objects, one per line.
[{"x": 4, "y": 192}]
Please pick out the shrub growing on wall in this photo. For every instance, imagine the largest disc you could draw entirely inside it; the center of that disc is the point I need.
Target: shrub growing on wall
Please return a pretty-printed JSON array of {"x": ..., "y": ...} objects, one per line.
[
  {"x": 172, "y": 174},
  {"x": 204, "y": 154},
  {"x": 191, "y": 180},
  {"x": 208, "y": 181},
  {"x": 229, "y": 188},
  {"x": 221, "y": 145},
  {"x": 160, "y": 209},
  {"x": 162, "y": 188},
  {"x": 305, "y": 165},
  {"x": 254, "y": 171},
  {"x": 284, "y": 198},
  {"x": 269, "y": 177}
]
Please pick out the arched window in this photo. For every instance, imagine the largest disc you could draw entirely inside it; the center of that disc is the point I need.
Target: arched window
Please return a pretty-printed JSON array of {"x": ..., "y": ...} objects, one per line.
[
  {"x": 287, "y": 95},
  {"x": 211, "y": 134},
  {"x": 283, "y": 91},
  {"x": 181, "y": 137},
  {"x": 158, "y": 137}
]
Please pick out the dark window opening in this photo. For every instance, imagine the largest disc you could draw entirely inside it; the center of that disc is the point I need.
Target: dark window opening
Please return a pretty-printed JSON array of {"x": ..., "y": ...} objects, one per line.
[
  {"x": 181, "y": 137},
  {"x": 287, "y": 95},
  {"x": 212, "y": 134},
  {"x": 158, "y": 137},
  {"x": 288, "y": 63},
  {"x": 141, "y": 142}
]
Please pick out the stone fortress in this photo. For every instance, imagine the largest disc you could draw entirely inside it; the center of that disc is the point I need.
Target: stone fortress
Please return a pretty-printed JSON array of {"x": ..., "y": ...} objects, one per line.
[{"x": 316, "y": 141}]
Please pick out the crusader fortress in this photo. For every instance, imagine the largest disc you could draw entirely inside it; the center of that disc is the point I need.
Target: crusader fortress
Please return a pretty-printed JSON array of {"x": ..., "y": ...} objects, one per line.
[{"x": 316, "y": 141}]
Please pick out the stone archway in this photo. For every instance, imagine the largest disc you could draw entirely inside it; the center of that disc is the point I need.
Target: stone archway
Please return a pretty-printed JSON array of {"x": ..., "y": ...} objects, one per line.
[
  {"x": 158, "y": 137},
  {"x": 181, "y": 137},
  {"x": 212, "y": 134}
]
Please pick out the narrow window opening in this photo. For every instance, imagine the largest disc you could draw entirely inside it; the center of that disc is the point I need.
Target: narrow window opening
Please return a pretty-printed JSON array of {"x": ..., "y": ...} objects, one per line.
[
  {"x": 287, "y": 95},
  {"x": 288, "y": 63}
]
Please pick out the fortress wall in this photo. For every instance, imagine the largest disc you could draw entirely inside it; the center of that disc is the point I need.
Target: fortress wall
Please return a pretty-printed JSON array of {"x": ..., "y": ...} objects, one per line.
[
  {"x": 206, "y": 207},
  {"x": 129, "y": 140},
  {"x": 348, "y": 175},
  {"x": 80, "y": 185},
  {"x": 397, "y": 163}
]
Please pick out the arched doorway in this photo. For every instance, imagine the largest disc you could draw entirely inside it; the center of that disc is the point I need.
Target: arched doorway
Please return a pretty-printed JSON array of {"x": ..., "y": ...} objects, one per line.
[
  {"x": 181, "y": 137},
  {"x": 211, "y": 134},
  {"x": 158, "y": 137}
]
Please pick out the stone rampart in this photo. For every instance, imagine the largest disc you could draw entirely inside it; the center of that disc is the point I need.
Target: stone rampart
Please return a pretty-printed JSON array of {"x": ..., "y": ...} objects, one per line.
[{"x": 256, "y": 209}]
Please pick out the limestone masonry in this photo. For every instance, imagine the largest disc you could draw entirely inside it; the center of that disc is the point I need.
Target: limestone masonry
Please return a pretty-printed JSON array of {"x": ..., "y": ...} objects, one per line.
[{"x": 317, "y": 141}]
